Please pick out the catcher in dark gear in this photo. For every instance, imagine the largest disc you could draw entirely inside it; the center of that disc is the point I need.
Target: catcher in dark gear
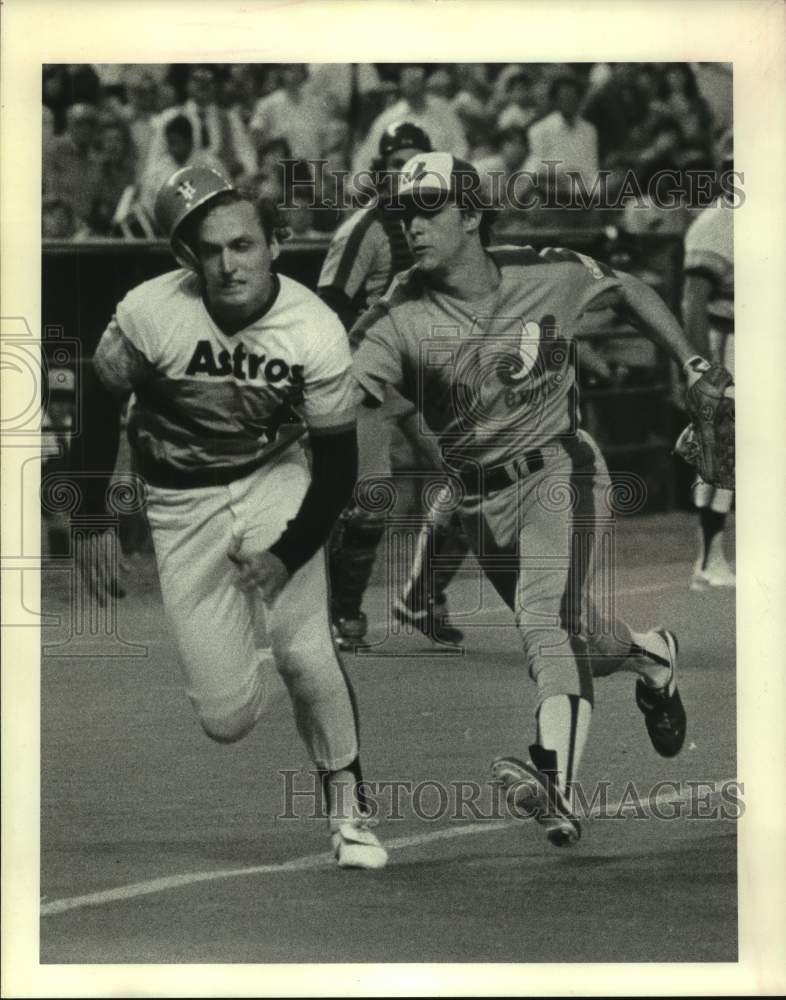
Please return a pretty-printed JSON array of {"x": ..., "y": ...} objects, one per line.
[{"x": 364, "y": 255}]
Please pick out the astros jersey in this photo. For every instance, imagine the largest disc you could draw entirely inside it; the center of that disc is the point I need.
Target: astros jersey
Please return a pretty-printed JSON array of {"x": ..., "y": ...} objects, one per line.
[
  {"x": 364, "y": 255},
  {"x": 709, "y": 249},
  {"x": 208, "y": 405},
  {"x": 493, "y": 377}
]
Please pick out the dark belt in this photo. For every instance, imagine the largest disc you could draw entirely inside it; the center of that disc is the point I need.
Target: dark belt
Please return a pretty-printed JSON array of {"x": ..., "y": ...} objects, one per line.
[
  {"x": 479, "y": 481},
  {"x": 166, "y": 477}
]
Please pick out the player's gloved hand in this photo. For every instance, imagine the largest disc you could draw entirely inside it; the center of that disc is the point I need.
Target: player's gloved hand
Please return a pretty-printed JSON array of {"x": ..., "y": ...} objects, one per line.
[
  {"x": 707, "y": 442},
  {"x": 259, "y": 569},
  {"x": 98, "y": 563}
]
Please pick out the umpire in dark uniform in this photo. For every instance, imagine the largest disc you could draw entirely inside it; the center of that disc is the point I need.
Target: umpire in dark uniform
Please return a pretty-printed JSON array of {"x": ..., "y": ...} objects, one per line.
[{"x": 368, "y": 249}]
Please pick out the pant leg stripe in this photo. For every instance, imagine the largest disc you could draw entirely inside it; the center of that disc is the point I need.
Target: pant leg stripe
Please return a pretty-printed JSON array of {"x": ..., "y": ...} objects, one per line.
[{"x": 582, "y": 457}]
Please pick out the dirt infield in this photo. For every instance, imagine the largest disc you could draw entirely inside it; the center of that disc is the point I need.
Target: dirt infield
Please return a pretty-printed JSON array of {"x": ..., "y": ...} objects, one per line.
[{"x": 160, "y": 846}]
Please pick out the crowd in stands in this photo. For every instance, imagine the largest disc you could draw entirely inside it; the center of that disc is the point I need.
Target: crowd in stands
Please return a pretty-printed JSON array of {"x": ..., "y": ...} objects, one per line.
[{"x": 114, "y": 133}]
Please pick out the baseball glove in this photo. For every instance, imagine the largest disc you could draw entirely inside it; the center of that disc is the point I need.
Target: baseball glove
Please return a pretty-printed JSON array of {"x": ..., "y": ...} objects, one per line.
[{"x": 708, "y": 441}]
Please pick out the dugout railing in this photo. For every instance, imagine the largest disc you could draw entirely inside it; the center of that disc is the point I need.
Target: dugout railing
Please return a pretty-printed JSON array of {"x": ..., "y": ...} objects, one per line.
[{"x": 635, "y": 417}]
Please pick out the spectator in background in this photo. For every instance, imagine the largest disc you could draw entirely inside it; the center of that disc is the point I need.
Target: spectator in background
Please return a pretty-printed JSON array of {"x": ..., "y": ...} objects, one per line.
[
  {"x": 56, "y": 95},
  {"x": 679, "y": 92},
  {"x": 519, "y": 109},
  {"x": 240, "y": 89},
  {"x": 350, "y": 92},
  {"x": 508, "y": 192},
  {"x": 217, "y": 131},
  {"x": 471, "y": 100},
  {"x": 179, "y": 152},
  {"x": 431, "y": 113},
  {"x": 662, "y": 152},
  {"x": 714, "y": 83},
  {"x": 116, "y": 158},
  {"x": 616, "y": 108},
  {"x": 268, "y": 179},
  {"x": 300, "y": 215},
  {"x": 58, "y": 221},
  {"x": 333, "y": 181},
  {"x": 70, "y": 169},
  {"x": 292, "y": 113},
  {"x": 47, "y": 125},
  {"x": 441, "y": 83},
  {"x": 564, "y": 135},
  {"x": 681, "y": 100},
  {"x": 513, "y": 149},
  {"x": 140, "y": 111}
]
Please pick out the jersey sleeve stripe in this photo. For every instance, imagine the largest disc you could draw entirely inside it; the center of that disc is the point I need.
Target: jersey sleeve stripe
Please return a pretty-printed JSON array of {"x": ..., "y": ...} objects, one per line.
[{"x": 349, "y": 256}]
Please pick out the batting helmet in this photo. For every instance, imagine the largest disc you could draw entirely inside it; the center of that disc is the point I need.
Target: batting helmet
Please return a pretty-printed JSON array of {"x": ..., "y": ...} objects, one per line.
[
  {"x": 180, "y": 195},
  {"x": 403, "y": 135}
]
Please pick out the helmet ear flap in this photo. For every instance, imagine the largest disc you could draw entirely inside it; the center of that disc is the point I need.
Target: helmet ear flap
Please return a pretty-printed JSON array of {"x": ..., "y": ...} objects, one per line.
[
  {"x": 181, "y": 195},
  {"x": 184, "y": 255}
]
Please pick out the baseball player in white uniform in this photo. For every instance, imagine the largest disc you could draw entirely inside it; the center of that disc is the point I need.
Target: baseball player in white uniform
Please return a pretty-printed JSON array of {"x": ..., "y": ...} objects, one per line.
[
  {"x": 708, "y": 313},
  {"x": 231, "y": 368}
]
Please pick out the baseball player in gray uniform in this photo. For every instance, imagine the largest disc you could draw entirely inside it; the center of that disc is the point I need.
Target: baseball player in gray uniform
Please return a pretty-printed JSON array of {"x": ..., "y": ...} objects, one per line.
[
  {"x": 231, "y": 369},
  {"x": 708, "y": 314},
  {"x": 481, "y": 341},
  {"x": 368, "y": 249}
]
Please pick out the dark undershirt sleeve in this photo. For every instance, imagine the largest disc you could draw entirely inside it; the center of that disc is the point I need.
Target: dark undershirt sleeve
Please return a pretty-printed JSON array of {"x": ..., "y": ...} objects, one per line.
[{"x": 334, "y": 469}]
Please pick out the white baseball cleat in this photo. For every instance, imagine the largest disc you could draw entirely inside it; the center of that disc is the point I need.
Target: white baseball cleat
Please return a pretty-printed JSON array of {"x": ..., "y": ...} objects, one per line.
[
  {"x": 355, "y": 846},
  {"x": 715, "y": 574}
]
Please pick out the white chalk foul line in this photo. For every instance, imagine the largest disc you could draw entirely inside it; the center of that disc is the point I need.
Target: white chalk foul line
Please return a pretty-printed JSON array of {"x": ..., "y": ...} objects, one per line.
[{"x": 122, "y": 893}]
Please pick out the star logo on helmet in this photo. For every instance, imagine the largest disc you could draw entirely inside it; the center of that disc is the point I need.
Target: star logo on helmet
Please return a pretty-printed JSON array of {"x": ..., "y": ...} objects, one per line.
[
  {"x": 418, "y": 171},
  {"x": 187, "y": 192}
]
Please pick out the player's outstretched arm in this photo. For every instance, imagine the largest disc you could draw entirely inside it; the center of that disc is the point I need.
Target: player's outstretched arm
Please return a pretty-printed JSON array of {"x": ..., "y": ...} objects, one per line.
[
  {"x": 643, "y": 307},
  {"x": 695, "y": 300}
]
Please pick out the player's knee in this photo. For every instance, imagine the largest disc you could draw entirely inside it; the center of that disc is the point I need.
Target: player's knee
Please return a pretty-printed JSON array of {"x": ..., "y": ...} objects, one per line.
[
  {"x": 558, "y": 662},
  {"x": 229, "y": 726},
  {"x": 309, "y": 669}
]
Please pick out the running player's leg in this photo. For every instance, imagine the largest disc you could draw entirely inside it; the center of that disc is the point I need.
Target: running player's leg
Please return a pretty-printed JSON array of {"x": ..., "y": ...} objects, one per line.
[
  {"x": 610, "y": 643},
  {"x": 439, "y": 549},
  {"x": 353, "y": 544},
  {"x": 529, "y": 542},
  {"x": 299, "y": 628},
  {"x": 225, "y": 661},
  {"x": 712, "y": 568}
]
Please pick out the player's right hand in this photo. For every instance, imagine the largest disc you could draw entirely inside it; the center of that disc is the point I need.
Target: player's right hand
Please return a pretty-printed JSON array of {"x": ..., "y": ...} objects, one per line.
[{"x": 98, "y": 561}]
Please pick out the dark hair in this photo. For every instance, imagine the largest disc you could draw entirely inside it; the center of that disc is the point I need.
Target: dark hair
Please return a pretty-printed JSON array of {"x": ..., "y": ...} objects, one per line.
[
  {"x": 691, "y": 87},
  {"x": 511, "y": 133},
  {"x": 277, "y": 143},
  {"x": 565, "y": 80},
  {"x": 179, "y": 125},
  {"x": 488, "y": 216},
  {"x": 57, "y": 204},
  {"x": 270, "y": 216},
  {"x": 518, "y": 77}
]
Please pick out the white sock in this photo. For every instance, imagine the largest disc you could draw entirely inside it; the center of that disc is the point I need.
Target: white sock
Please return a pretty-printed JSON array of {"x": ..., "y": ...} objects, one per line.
[
  {"x": 563, "y": 726},
  {"x": 653, "y": 673}
]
